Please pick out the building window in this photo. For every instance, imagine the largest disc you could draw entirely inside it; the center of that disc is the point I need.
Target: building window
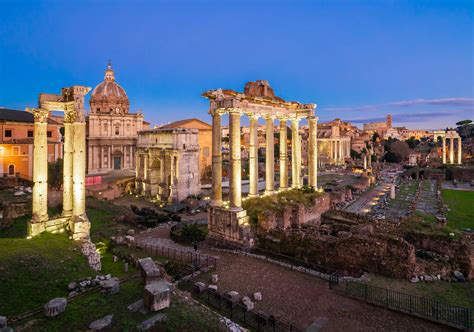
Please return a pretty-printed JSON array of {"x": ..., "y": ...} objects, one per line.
[
  {"x": 49, "y": 134},
  {"x": 8, "y": 133},
  {"x": 205, "y": 152},
  {"x": 106, "y": 128},
  {"x": 184, "y": 146},
  {"x": 30, "y": 133},
  {"x": 15, "y": 150},
  {"x": 117, "y": 130},
  {"x": 11, "y": 170},
  {"x": 98, "y": 109}
]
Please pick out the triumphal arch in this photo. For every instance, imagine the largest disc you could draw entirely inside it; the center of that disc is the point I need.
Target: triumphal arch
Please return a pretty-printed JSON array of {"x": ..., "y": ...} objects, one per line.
[
  {"x": 228, "y": 221},
  {"x": 73, "y": 217},
  {"x": 452, "y": 135}
]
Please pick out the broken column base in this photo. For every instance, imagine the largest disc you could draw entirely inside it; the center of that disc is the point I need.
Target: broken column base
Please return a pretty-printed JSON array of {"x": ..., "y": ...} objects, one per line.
[
  {"x": 78, "y": 226},
  {"x": 229, "y": 228}
]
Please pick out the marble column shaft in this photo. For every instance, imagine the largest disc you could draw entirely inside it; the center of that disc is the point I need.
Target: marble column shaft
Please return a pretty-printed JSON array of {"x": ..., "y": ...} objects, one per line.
[
  {"x": 451, "y": 150},
  {"x": 269, "y": 157},
  {"x": 216, "y": 159},
  {"x": 444, "y": 150},
  {"x": 283, "y": 155},
  {"x": 79, "y": 170},
  {"x": 313, "y": 153},
  {"x": 68, "y": 169},
  {"x": 459, "y": 151},
  {"x": 235, "y": 189},
  {"x": 296, "y": 154},
  {"x": 253, "y": 157},
  {"x": 40, "y": 166}
]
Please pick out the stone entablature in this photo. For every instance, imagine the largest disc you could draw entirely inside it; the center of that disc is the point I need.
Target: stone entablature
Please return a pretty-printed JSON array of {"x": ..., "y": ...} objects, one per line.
[
  {"x": 258, "y": 100},
  {"x": 167, "y": 164}
]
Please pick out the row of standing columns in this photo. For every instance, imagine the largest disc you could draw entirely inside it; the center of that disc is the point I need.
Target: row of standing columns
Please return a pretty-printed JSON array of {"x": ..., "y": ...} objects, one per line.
[
  {"x": 451, "y": 149},
  {"x": 74, "y": 166},
  {"x": 339, "y": 149},
  {"x": 235, "y": 191}
]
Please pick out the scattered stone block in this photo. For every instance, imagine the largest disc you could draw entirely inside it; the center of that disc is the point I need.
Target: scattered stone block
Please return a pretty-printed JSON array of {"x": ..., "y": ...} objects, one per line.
[
  {"x": 150, "y": 322},
  {"x": 55, "y": 307},
  {"x": 199, "y": 286},
  {"x": 233, "y": 296},
  {"x": 136, "y": 306},
  {"x": 125, "y": 267},
  {"x": 101, "y": 323},
  {"x": 115, "y": 259},
  {"x": 415, "y": 279},
  {"x": 214, "y": 278},
  {"x": 111, "y": 285},
  {"x": 149, "y": 271},
  {"x": 459, "y": 276},
  {"x": 212, "y": 288},
  {"x": 257, "y": 296},
  {"x": 71, "y": 286},
  {"x": 7, "y": 329},
  {"x": 3, "y": 322},
  {"x": 248, "y": 303},
  {"x": 157, "y": 295}
]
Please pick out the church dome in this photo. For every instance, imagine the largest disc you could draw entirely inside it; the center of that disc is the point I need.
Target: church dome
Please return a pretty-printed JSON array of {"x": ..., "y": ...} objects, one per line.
[{"x": 108, "y": 96}]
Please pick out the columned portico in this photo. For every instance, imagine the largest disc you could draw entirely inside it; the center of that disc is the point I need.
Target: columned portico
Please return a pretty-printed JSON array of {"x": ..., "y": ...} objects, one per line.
[
  {"x": 313, "y": 152},
  {"x": 451, "y": 135},
  {"x": 74, "y": 217},
  {"x": 228, "y": 222}
]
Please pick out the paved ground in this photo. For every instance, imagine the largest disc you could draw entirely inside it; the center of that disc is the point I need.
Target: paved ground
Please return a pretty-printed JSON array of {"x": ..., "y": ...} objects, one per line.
[
  {"x": 366, "y": 201},
  {"x": 303, "y": 299}
]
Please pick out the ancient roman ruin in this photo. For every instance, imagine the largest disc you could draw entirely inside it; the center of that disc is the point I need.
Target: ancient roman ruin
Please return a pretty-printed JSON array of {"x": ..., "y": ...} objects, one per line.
[
  {"x": 167, "y": 164},
  {"x": 74, "y": 218},
  {"x": 452, "y": 135},
  {"x": 228, "y": 221}
]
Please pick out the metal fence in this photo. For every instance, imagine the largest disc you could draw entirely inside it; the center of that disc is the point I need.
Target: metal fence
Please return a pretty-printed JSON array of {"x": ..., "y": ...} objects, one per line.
[
  {"x": 238, "y": 312},
  {"x": 441, "y": 312}
]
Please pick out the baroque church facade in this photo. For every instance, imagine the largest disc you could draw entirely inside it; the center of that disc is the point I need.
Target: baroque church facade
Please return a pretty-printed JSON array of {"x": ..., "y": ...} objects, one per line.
[{"x": 112, "y": 131}]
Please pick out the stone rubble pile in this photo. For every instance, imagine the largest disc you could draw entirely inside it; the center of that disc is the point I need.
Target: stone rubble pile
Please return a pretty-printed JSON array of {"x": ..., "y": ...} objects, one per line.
[
  {"x": 230, "y": 326},
  {"x": 89, "y": 250},
  {"x": 84, "y": 284},
  {"x": 456, "y": 277}
]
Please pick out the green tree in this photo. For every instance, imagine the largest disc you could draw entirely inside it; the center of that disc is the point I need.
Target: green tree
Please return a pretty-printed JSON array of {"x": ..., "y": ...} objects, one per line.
[
  {"x": 355, "y": 154},
  {"x": 412, "y": 142},
  {"x": 55, "y": 174},
  {"x": 375, "y": 136},
  {"x": 465, "y": 127}
]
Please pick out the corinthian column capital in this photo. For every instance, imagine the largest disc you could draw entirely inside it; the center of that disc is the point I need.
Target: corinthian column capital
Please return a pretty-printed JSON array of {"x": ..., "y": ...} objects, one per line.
[{"x": 40, "y": 115}]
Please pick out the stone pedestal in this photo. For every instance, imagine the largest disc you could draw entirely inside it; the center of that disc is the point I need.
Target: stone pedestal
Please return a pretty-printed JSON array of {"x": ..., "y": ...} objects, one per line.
[
  {"x": 149, "y": 271},
  {"x": 157, "y": 296},
  {"x": 229, "y": 227},
  {"x": 55, "y": 307}
]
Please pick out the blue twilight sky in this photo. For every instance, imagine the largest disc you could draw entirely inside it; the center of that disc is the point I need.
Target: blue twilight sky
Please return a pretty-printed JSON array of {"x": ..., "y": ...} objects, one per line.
[{"x": 358, "y": 60}]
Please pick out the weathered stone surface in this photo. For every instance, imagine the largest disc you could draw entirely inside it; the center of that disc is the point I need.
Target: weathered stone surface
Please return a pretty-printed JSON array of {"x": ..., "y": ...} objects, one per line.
[
  {"x": 200, "y": 286},
  {"x": 257, "y": 296},
  {"x": 136, "y": 306},
  {"x": 149, "y": 271},
  {"x": 233, "y": 296},
  {"x": 55, "y": 307},
  {"x": 214, "y": 278},
  {"x": 157, "y": 295},
  {"x": 3, "y": 321},
  {"x": 150, "y": 322},
  {"x": 101, "y": 323},
  {"x": 212, "y": 288},
  {"x": 89, "y": 250},
  {"x": 459, "y": 276},
  {"x": 248, "y": 303},
  {"x": 111, "y": 285}
]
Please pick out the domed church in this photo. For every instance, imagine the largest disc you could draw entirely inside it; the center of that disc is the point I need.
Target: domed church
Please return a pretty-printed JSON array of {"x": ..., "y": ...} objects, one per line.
[{"x": 112, "y": 131}]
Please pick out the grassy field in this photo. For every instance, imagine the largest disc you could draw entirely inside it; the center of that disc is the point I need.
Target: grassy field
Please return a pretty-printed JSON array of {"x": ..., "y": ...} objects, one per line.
[
  {"x": 461, "y": 208},
  {"x": 454, "y": 293},
  {"x": 84, "y": 310}
]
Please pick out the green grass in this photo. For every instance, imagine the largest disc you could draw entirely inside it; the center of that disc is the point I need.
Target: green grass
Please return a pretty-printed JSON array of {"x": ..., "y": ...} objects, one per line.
[
  {"x": 461, "y": 294},
  {"x": 461, "y": 205},
  {"x": 84, "y": 310}
]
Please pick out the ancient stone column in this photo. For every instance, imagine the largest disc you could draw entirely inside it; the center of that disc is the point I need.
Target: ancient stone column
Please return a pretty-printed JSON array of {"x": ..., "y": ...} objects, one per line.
[
  {"x": 253, "y": 156},
  {"x": 369, "y": 158},
  {"x": 451, "y": 150},
  {"x": 296, "y": 154},
  {"x": 444, "y": 150},
  {"x": 216, "y": 159},
  {"x": 365, "y": 160},
  {"x": 283, "y": 156},
  {"x": 40, "y": 169},
  {"x": 459, "y": 151},
  {"x": 313, "y": 152},
  {"x": 269, "y": 157},
  {"x": 235, "y": 189},
  {"x": 79, "y": 170},
  {"x": 69, "y": 117},
  {"x": 341, "y": 156}
]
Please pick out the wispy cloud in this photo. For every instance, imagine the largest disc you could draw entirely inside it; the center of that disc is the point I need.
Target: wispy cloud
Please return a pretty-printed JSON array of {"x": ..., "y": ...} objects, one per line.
[
  {"x": 414, "y": 117},
  {"x": 406, "y": 103}
]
